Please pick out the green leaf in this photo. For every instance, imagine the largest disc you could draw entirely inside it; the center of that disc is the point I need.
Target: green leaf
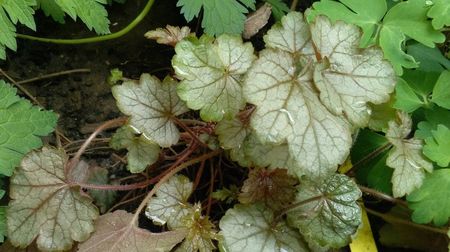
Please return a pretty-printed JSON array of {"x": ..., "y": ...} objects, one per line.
[
  {"x": 275, "y": 188},
  {"x": 434, "y": 117},
  {"x": 437, "y": 147},
  {"x": 365, "y": 14},
  {"x": 405, "y": 97},
  {"x": 103, "y": 199},
  {"x": 407, "y": 19},
  {"x": 22, "y": 125},
  {"x": 151, "y": 104},
  {"x": 171, "y": 203},
  {"x": 251, "y": 228},
  {"x": 431, "y": 202},
  {"x": 441, "y": 91},
  {"x": 226, "y": 195},
  {"x": 430, "y": 59},
  {"x": 405, "y": 158},
  {"x": 440, "y": 13},
  {"x": 91, "y": 12},
  {"x": 279, "y": 8},
  {"x": 46, "y": 206},
  {"x": 141, "y": 151},
  {"x": 51, "y": 8},
  {"x": 117, "y": 231},
  {"x": 421, "y": 82},
  {"x": 211, "y": 73},
  {"x": 219, "y": 16},
  {"x": 3, "y": 228},
  {"x": 231, "y": 133},
  {"x": 12, "y": 12},
  {"x": 334, "y": 217}
]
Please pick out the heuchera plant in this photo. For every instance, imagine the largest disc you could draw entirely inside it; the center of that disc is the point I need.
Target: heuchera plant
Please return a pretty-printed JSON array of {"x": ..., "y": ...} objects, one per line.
[{"x": 290, "y": 113}]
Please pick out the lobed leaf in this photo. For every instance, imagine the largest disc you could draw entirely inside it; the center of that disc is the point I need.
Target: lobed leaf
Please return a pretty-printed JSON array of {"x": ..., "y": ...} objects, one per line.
[
  {"x": 405, "y": 158},
  {"x": 22, "y": 125},
  {"x": 117, "y": 231},
  {"x": 171, "y": 203},
  {"x": 151, "y": 104},
  {"x": 334, "y": 217},
  {"x": 231, "y": 133},
  {"x": 46, "y": 206},
  {"x": 441, "y": 91},
  {"x": 440, "y": 13},
  {"x": 431, "y": 201},
  {"x": 253, "y": 228},
  {"x": 211, "y": 73},
  {"x": 437, "y": 146}
]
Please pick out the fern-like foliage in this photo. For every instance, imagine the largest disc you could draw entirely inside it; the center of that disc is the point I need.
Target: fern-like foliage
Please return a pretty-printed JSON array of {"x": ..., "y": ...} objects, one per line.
[{"x": 12, "y": 12}]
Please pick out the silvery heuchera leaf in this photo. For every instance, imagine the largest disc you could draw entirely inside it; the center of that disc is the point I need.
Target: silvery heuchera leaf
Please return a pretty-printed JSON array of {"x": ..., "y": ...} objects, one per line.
[
  {"x": 46, "y": 206},
  {"x": 251, "y": 228},
  {"x": 405, "y": 157},
  {"x": 231, "y": 133},
  {"x": 349, "y": 77},
  {"x": 288, "y": 109},
  {"x": 211, "y": 72},
  {"x": 103, "y": 199},
  {"x": 117, "y": 231},
  {"x": 334, "y": 217},
  {"x": 151, "y": 104},
  {"x": 141, "y": 151},
  {"x": 170, "y": 205}
]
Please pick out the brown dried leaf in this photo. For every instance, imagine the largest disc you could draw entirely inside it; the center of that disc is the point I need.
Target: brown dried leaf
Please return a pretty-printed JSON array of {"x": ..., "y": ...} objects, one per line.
[
  {"x": 117, "y": 232},
  {"x": 170, "y": 35},
  {"x": 257, "y": 20},
  {"x": 273, "y": 187}
]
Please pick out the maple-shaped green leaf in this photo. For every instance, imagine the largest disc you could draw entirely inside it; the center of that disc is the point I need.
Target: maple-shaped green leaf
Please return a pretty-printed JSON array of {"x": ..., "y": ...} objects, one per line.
[
  {"x": 22, "y": 125},
  {"x": 405, "y": 97},
  {"x": 334, "y": 217},
  {"x": 219, "y": 16},
  {"x": 211, "y": 72},
  {"x": 441, "y": 91},
  {"x": 365, "y": 14},
  {"x": 151, "y": 104},
  {"x": 433, "y": 117},
  {"x": 46, "y": 206},
  {"x": 200, "y": 232},
  {"x": 437, "y": 147},
  {"x": 103, "y": 199},
  {"x": 231, "y": 133},
  {"x": 141, "y": 151},
  {"x": 275, "y": 188},
  {"x": 170, "y": 205},
  {"x": 405, "y": 157},
  {"x": 117, "y": 231},
  {"x": 348, "y": 77},
  {"x": 252, "y": 228},
  {"x": 440, "y": 13},
  {"x": 431, "y": 202},
  {"x": 91, "y": 12}
]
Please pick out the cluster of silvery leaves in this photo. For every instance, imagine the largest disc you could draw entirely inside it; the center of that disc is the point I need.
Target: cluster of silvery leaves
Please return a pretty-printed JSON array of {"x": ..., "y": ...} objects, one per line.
[{"x": 312, "y": 87}]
